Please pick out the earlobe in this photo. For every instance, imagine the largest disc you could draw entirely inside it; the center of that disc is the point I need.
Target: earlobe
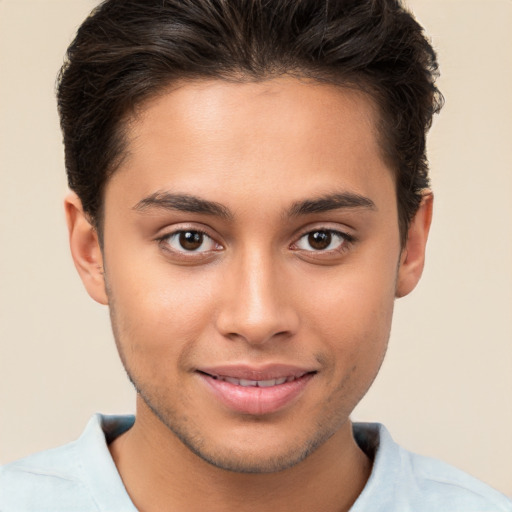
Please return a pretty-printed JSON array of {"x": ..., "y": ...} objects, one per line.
[
  {"x": 85, "y": 249},
  {"x": 412, "y": 259}
]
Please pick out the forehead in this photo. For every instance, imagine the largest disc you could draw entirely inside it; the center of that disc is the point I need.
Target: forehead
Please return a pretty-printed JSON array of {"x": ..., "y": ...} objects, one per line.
[{"x": 224, "y": 138}]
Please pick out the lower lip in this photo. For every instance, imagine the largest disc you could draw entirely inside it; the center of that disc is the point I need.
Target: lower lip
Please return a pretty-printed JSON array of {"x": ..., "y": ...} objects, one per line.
[{"x": 253, "y": 399}]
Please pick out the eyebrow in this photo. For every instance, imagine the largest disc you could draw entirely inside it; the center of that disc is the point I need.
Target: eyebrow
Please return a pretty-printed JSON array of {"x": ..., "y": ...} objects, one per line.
[
  {"x": 183, "y": 203},
  {"x": 192, "y": 204},
  {"x": 331, "y": 202}
]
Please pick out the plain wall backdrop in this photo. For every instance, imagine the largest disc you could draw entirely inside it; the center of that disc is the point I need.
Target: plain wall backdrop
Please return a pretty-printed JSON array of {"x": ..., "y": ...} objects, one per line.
[{"x": 445, "y": 389}]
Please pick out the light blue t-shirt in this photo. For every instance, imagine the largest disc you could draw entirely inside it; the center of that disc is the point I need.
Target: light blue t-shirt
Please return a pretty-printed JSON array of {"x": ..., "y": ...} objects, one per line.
[{"x": 82, "y": 477}]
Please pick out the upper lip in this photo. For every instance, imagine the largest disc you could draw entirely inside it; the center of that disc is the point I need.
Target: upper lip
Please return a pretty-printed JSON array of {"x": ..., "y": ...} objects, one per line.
[{"x": 248, "y": 372}]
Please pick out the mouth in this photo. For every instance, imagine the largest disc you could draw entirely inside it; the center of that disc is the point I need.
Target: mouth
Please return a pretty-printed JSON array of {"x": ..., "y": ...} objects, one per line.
[
  {"x": 267, "y": 383},
  {"x": 254, "y": 391}
]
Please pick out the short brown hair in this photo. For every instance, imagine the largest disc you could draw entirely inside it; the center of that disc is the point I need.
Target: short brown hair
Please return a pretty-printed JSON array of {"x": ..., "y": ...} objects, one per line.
[{"x": 128, "y": 50}]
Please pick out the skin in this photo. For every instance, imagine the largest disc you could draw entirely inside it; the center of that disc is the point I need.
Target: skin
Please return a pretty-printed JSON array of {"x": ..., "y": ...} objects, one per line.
[{"x": 256, "y": 292}]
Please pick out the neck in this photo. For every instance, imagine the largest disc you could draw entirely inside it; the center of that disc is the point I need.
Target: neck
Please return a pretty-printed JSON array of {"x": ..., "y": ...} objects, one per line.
[{"x": 161, "y": 474}]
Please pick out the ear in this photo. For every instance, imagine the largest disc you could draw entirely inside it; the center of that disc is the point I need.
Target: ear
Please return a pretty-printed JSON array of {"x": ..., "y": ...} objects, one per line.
[
  {"x": 85, "y": 249},
  {"x": 412, "y": 258}
]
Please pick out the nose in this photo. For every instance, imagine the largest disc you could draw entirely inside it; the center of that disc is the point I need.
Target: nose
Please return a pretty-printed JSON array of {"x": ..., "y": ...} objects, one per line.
[{"x": 256, "y": 306}]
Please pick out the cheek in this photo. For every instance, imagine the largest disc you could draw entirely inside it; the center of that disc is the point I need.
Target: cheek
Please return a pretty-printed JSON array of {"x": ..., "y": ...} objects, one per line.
[
  {"x": 355, "y": 341},
  {"x": 157, "y": 309},
  {"x": 352, "y": 317},
  {"x": 352, "y": 301}
]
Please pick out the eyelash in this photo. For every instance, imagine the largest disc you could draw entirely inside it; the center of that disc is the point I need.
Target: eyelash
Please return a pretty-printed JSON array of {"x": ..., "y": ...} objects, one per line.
[
  {"x": 345, "y": 243},
  {"x": 164, "y": 241}
]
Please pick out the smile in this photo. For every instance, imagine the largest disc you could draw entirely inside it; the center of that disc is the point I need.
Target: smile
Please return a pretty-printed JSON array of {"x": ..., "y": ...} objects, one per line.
[
  {"x": 257, "y": 383},
  {"x": 256, "y": 391}
]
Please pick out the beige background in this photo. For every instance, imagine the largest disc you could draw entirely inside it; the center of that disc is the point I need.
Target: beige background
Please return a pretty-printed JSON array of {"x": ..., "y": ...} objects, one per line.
[{"x": 446, "y": 387}]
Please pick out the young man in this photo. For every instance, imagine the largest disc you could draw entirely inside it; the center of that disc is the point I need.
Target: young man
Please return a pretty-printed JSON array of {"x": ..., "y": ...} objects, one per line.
[{"x": 250, "y": 195}]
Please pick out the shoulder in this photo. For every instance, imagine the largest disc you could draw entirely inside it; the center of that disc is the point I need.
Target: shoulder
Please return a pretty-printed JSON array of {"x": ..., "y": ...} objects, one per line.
[
  {"x": 411, "y": 482},
  {"x": 442, "y": 484},
  {"x": 64, "y": 478},
  {"x": 32, "y": 483}
]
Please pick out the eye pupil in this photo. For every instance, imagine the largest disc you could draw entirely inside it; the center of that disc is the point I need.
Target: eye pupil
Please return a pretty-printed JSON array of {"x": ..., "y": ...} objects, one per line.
[
  {"x": 319, "y": 239},
  {"x": 191, "y": 240}
]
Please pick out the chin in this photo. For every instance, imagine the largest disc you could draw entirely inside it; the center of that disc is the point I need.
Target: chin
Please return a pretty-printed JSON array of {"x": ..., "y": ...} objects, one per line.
[
  {"x": 251, "y": 448},
  {"x": 253, "y": 459}
]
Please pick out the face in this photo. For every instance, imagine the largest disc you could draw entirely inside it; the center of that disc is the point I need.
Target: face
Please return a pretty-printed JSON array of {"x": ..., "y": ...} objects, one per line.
[{"x": 251, "y": 256}]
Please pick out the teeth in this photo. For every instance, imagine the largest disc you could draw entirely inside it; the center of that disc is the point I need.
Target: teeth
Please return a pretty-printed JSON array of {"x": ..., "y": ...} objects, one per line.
[
  {"x": 267, "y": 383},
  {"x": 256, "y": 383},
  {"x": 245, "y": 383}
]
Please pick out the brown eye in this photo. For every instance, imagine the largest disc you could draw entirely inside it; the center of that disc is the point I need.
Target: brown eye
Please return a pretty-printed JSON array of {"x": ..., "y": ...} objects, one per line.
[
  {"x": 191, "y": 240},
  {"x": 320, "y": 240},
  {"x": 325, "y": 240}
]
